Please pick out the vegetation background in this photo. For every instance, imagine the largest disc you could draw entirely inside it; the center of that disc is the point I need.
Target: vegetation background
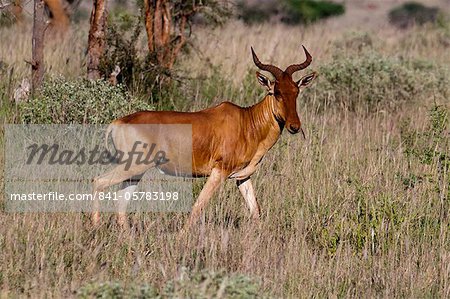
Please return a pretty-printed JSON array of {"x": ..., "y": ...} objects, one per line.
[{"x": 360, "y": 208}]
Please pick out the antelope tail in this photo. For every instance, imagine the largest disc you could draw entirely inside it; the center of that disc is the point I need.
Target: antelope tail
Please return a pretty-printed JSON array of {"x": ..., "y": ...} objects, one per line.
[{"x": 108, "y": 131}]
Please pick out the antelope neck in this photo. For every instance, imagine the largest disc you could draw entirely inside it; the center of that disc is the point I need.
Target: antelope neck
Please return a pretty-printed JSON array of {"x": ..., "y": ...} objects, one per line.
[{"x": 264, "y": 117}]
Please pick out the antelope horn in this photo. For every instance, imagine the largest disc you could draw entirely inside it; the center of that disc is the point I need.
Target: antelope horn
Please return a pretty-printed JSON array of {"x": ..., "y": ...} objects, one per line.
[
  {"x": 296, "y": 67},
  {"x": 275, "y": 71}
]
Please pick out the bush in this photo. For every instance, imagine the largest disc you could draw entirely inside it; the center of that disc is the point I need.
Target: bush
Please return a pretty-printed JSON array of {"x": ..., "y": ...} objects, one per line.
[
  {"x": 308, "y": 11},
  {"x": 289, "y": 11},
  {"x": 368, "y": 82},
  {"x": 78, "y": 102},
  {"x": 209, "y": 284},
  {"x": 123, "y": 50},
  {"x": 116, "y": 290},
  {"x": 204, "y": 284},
  {"x": 412, "y": 13},
  {"x": 430, "y": 147}
]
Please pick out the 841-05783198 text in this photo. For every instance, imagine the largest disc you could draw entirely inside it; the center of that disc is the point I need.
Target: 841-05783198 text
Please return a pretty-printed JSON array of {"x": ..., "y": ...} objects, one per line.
[
  {"x": 101, "y": 196},
  {"x": 136, "y": 196}
]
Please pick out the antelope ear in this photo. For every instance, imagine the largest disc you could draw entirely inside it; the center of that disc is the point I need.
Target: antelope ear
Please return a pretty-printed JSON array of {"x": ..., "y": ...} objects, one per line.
[
  {"x": 263, "y": 80},
  {"x": 306, "y": 80}
]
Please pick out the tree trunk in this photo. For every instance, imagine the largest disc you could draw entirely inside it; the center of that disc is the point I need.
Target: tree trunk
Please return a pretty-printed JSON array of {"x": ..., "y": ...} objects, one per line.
[
  {"x": 159, "y": 26},
  {"x": 37, "y": 64},
  {"x": 149, "y": 12},
  {"x": 96, "y": 41}
]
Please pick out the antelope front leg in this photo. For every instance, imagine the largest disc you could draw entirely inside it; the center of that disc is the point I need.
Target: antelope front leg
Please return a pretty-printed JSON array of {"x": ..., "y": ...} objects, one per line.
[
  {"x": 246, "y": 188},
  {"x": 215, "y": 179}
]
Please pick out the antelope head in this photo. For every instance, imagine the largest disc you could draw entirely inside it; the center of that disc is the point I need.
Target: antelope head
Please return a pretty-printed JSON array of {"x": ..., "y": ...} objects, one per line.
[{"x": 285, "y": 90}]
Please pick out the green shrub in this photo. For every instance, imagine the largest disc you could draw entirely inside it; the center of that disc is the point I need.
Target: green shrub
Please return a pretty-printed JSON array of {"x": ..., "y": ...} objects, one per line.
[
  {"x": 413, "y": 13},
  {"x": 79, "y": 101},
  {"x": 431, "y": 148},
  {"x": 209, "y": 284},
  {"x": 288, "y": 11},
  {"x": 308, "y": 11},
  {"x": 116, "y": 290},
  {"x": 204, "y": 284},
  {"x": 122, "y": 40},
  {"x": 368, "y": 82},
  {"x": 432, "y": 145}
]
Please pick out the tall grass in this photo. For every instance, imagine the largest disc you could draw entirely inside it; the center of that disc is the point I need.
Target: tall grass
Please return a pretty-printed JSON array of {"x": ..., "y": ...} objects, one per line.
[{"x": 346, "y": 212}]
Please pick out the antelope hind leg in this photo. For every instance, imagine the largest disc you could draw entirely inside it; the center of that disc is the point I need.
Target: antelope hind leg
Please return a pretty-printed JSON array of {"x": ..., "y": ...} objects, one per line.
[
  {"x": 124, "y": 196},
  {"x": 112, "y": 177}
]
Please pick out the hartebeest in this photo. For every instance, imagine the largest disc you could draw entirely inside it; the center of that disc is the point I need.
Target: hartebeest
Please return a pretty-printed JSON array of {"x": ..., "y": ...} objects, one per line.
[{"x": 228, "y": 141}]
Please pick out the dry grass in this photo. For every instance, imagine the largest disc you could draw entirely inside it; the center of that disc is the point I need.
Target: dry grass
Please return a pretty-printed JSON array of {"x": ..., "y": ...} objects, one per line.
[
  {"x": 229, "y": 47},
  {"x": 337, "y": 219}
]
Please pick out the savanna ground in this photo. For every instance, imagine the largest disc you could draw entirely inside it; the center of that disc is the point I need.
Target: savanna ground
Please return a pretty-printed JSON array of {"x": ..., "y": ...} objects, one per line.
[{"x": 360, "y": 208}]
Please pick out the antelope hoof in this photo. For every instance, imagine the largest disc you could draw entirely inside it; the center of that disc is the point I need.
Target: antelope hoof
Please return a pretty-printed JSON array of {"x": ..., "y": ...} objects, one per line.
[
  {"x": 122, "y": 220},
  {"x": 95, "y": 218},
  {"x": 255, "y": 218}
]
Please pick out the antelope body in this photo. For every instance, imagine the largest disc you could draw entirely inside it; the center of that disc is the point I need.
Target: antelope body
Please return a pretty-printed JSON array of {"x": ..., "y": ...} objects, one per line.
[{"x": 228, "y": 141}]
